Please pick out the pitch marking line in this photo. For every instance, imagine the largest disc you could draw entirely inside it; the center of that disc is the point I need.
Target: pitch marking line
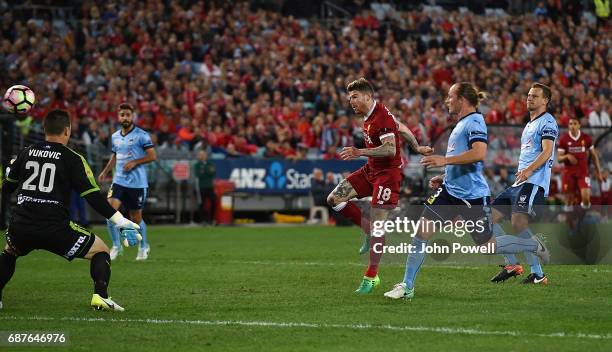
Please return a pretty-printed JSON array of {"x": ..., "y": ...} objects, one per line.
[
  {"x": 440, "y": 330},
  {"x": 283, "y": 263}
]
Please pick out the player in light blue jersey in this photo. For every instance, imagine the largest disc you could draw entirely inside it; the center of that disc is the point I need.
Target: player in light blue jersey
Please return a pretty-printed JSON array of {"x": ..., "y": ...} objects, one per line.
[
  {"x": 532, "y": 181},
  {"x": 462, "y": 191},
  {"x": 132, "y": 148}
]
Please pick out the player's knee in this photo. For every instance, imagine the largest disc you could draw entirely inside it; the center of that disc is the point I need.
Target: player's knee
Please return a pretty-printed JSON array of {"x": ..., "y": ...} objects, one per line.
[{"x": 98, "y": 247}]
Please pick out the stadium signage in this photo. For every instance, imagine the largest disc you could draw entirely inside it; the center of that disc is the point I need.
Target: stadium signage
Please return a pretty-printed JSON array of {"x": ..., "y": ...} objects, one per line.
[{"x": 278, "y": 176}]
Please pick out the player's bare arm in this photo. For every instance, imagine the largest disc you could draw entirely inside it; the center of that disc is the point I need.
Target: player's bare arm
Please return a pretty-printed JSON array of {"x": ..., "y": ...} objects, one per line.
[
  {"x": 150, "y": 157},
  {"x": 385, "y": 150},
  {"x": 412, "y": 141},
  {"x": 477, "y": 153},
  {"x": 436, "y": 181},
  {"x": 103, "y": 177},
  {"x": 562, "y": 156},
  {"x": 547, "y": 150},
  {"x": 595, "y": 157},
  {"x": 342, "y": 193}
]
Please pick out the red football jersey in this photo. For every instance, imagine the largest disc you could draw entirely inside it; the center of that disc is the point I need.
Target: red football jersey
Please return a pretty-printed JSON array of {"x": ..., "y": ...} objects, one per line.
[
  {"x": 579, "y": 147},
  {"x": 381, "y": 123}
]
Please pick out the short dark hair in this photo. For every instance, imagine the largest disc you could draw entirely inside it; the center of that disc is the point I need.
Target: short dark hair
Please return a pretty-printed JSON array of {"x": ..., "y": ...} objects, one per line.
[
  {"x": 545, "y": 89},
  {"x": 55, "y": 122},
  {"x": 360, "y": 85},
  {"x": 126, "y": 106},
  {"x": 469, "y": 92}
]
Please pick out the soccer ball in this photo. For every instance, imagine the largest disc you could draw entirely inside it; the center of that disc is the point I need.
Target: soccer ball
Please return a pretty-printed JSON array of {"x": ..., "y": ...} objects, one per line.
[{"x": 18, "y": 100}]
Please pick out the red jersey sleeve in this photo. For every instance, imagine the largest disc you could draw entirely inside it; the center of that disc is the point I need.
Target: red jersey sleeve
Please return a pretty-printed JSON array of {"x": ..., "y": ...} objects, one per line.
[{"x": 387, "y": 125}]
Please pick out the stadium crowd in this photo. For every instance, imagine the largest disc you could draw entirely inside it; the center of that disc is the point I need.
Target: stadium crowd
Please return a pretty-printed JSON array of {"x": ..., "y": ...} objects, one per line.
[{"x": 212, "y": 74}]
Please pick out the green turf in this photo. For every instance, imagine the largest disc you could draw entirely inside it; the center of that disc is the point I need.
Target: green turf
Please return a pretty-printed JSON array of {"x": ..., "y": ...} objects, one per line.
[{"x": 201, "y": 277}]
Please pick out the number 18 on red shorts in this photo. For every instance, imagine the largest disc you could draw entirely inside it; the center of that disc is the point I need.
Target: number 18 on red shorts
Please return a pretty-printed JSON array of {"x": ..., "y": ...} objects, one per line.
[{"x": 383, "y": 185}]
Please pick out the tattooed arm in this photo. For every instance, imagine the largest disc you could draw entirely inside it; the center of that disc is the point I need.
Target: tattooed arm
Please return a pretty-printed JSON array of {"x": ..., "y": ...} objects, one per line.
[
  {"x": 412, "y": 141},
  {"x": 408, "y": 136},
  {"x": 386, "y": 149}
]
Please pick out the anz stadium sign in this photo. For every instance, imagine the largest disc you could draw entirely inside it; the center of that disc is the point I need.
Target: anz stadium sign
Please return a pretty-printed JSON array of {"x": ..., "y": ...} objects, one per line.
[{"x": 279, "y": 176}]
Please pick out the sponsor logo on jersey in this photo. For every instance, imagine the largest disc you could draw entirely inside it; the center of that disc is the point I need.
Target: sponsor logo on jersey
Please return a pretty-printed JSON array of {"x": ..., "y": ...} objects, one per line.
[
  {"x": 76, "y": 247},
  {"x": 527, "y": 144},
  {"x": 22, "y": 199}
]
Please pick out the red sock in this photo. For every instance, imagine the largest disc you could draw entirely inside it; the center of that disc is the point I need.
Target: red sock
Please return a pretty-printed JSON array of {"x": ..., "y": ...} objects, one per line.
[
  {"x": 352, "y": 212},
  {"x": 372, "y": 270}
]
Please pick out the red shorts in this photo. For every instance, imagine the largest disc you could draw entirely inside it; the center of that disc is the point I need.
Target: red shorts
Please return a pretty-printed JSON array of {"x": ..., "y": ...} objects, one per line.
[
  {"x": 383, "y": 185},
  {"x": 571, "y": 181}
]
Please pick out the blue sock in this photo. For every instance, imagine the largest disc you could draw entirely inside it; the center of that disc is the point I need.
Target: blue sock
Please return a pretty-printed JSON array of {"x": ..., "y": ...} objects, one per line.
[
  {"x": 532, "y": 259},
  {"x": 509, "y": 244},
  {"x": 114, "y": 233},
  {"x": 143, "y": 231},
  {"x": 510, "y": 259},
  {"x": 414, "y": 261}
]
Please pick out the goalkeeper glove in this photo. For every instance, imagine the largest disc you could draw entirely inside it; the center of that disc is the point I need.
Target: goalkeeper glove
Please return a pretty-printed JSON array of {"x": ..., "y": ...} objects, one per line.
[
  {"x": 127, "y": 229},
  {"x": 129, "y": 237}
]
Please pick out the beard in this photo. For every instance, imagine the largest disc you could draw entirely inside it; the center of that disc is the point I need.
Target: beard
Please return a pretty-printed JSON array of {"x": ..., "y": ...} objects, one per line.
[{"x": 126, "y": 124}]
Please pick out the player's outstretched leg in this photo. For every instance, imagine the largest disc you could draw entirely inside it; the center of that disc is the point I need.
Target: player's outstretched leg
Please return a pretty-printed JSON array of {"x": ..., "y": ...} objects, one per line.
[
  {"x": 415, "y": 259},
  {"x": 100, "y": 273},
  {"x": 520, "y": 224},
  {"x": 143, "y": 248},
  {"x": 339, "y": 200},
  {"x": 512, "y": 267},
  {"x": 7, "y": 268},
  {"x": 370, "y": 278},
  {"x": 114, "y": 233},
  {"x": 511, "y": 245}
]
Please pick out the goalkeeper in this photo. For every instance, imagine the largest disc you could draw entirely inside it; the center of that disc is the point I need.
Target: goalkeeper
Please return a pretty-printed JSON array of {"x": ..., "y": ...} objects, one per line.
[{"x": 44, "y": 175}]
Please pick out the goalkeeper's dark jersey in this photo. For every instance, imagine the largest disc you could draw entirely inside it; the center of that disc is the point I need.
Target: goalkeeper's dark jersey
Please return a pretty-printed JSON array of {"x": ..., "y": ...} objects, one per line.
[{"x": 46, "y": 173}]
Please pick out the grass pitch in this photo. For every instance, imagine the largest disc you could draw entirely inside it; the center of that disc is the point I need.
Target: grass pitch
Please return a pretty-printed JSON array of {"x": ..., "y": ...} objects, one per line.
[{"x": 291, "y": 288}]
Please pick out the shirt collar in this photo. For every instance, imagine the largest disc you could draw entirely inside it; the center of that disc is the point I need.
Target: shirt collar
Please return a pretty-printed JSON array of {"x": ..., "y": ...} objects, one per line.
[
  {"x": 128, "y": 132},
  {"x": 537, "y": 117},
  {"x": 371, "y": 111},
  {"x": 574, "y": 138}
]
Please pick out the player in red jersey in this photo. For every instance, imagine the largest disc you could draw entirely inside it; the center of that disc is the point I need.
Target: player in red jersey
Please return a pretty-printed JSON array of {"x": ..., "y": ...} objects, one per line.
[
  {"x": 382, "y": 175},
  {"x": 573, "y": 150}
]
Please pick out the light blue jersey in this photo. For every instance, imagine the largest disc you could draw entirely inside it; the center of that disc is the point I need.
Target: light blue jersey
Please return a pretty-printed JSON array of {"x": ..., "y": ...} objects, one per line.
[
  {"x": 466, "y": 181},
  {"x": 542, "y": 127},
  {"x": 130, "y": 147}
]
